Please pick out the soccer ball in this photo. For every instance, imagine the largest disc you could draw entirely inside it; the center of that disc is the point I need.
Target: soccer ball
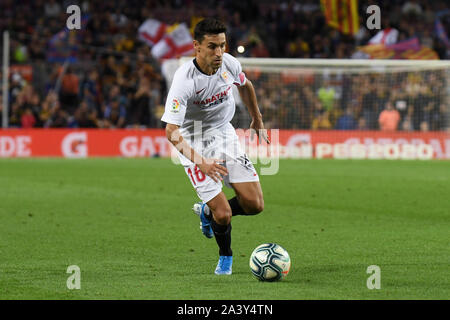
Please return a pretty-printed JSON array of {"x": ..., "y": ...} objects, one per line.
[{"x": 270, "y": 262}]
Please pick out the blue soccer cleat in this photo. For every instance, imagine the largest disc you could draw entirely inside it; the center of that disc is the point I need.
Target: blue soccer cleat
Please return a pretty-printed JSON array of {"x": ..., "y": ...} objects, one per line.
[
  {"x": 199, "y": 209},
  {"x": 224, "y": 265}
]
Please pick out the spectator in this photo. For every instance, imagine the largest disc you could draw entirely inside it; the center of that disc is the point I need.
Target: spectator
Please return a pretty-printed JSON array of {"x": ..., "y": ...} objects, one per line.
[
  {"x": 293, "y": 117},
  {"x": 115, "y": 93},
  {"x": 17, "y": 84},
  {"x": 109, "y": 71},
  {"x": 90, "y": 89},
  {"x": 27, "y": 119},
  {"x": 321, "y": 122},
  {"x": 369, "y": 107},
  {"x": 389, "y": 118},
  {"x": 1, "y": 108},
  {"x": 16, "y": 111},
  {"x": 260, "y": 50},
  {"x": 115, "y": 115},
  {"x": 362, "y": 125},
  {"x": 423, "y": 106},
  {"x": 346, "y": 121},
  {"x": 58, "y": 117},
  {"x": 139, "y": 111},
  {"x": 35, "y": 107},
  {"x": 86, "y": 117},
  {"x": 69, "y": 91},
  {"x": 52, "y": 9},
  {"x": 47, "y": 107},
  {"x": 326, "y": 95},
  {"x": 407, "y": 124},
  {"x": 411, "y": 7}
]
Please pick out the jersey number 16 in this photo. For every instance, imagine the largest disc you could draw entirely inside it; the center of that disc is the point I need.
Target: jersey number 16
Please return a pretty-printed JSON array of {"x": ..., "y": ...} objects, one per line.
[{"x": 199, "y": 175}]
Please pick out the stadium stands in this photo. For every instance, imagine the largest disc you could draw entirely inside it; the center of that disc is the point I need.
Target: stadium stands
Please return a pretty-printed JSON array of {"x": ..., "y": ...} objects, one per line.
[{"x": 112, "y": 80}]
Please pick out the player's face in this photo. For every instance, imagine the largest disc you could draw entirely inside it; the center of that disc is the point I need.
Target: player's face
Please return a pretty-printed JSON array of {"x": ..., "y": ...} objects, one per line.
[{"x": 210, "y": 50}]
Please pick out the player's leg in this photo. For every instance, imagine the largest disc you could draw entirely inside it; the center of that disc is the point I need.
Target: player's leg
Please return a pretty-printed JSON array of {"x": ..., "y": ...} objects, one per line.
[
  {"x": 249, "y": 198},
  {"x": 221, "y": 225},
  {"x": 206, "y": 189},
  {"x": 215, "y": 215},
  {"x": 243, "y": 178},
  {"x": 201, "y": 209}
]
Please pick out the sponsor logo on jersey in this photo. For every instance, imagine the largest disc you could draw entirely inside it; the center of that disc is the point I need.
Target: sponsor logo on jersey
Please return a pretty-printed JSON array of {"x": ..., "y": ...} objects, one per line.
[
  {"x": 175, "y": 106},
  {"x": 197, "y": 92},
  {"x": 214, "y": 99}
]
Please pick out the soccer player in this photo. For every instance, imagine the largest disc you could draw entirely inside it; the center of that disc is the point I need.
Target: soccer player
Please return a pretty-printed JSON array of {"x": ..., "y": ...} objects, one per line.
[{"x": 198, "y": 111}]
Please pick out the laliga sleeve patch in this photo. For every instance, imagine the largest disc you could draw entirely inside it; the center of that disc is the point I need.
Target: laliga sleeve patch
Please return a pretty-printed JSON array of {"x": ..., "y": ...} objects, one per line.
[
  {"x": 175, "y": 106},
  {"x": 241, "y": 79}
]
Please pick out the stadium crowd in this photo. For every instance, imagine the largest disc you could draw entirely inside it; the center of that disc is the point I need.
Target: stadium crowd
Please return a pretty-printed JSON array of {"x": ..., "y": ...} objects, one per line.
[
  {"x": 349, "y": 102},
  {"x": 114, "y": 82}
]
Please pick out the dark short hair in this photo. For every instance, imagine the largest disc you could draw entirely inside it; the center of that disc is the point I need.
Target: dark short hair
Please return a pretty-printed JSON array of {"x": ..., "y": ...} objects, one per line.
[{"x": 208, "y": 26}]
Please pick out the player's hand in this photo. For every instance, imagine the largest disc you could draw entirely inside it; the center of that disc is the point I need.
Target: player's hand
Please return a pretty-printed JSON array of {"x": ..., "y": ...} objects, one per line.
[
  {"x": 257, "y": 127},
  {"x": 212, "y": 168}
]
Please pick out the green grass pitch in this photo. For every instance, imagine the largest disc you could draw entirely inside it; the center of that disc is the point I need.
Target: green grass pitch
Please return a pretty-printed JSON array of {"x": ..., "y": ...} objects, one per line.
[{"x": 128, "y": 225}]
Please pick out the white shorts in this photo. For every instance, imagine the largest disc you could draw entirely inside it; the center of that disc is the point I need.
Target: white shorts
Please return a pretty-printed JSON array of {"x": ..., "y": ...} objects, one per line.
[{"x": 223, "y": 145}]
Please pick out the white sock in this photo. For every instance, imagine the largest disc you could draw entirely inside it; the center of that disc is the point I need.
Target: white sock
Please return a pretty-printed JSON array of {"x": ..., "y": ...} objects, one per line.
[{"x": 207, "y": 211}]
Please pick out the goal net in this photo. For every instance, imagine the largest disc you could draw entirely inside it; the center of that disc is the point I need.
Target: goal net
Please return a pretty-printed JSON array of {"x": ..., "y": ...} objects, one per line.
[
  {"x": 394, "y": 109},
  {"x": 350, "y": 94}
]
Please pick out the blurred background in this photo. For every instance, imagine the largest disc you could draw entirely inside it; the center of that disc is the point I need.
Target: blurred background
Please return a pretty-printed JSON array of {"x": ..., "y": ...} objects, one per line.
[{"x": 112, "y": 72}]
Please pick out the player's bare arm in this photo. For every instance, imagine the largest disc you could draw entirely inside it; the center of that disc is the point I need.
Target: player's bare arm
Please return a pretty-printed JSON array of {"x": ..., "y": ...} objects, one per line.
[
  {"x": 248, "y": 95},
  {"x": 210, "y": 167}
]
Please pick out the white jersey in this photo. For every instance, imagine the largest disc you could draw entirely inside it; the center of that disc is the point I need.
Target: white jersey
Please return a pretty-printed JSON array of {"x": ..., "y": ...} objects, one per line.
[
  {"x": 195, "y": 96},
  {"x": 203, "y": 106}
]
